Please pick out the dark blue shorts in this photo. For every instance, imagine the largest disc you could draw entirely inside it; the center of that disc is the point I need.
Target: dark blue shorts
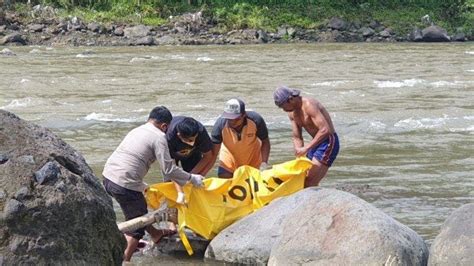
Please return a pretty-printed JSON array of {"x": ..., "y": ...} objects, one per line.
[
  {"x": 132, "y": 203},
  {"x": 326, "y": 151},
  {"x": 223, "y": 171}
]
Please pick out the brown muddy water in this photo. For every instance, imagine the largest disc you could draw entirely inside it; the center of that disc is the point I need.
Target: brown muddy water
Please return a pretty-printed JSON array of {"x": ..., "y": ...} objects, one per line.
[{"x": 404, "y": 112}]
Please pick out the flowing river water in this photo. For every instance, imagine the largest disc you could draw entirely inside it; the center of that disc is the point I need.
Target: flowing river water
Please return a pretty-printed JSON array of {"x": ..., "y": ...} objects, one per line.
[{"x": 404, "y": 112}]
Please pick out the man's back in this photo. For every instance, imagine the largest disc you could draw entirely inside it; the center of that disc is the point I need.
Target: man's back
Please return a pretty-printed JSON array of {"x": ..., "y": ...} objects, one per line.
[{"x": 132, "y": 159}]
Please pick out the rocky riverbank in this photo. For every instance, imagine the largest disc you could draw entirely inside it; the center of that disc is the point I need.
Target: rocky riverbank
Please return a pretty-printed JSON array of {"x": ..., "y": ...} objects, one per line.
[{"x": 44, "y": 27}]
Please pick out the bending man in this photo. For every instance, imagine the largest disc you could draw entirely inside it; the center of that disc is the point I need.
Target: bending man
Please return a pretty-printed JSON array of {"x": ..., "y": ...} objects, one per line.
[
  {"x": 190, "y": 145},
  {"x": 311, "y": 115},
  {"x": 129, "y": 163}
]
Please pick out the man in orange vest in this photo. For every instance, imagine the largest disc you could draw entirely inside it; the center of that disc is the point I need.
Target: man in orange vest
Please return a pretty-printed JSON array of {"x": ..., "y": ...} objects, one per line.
[{"x": 242, "y": 139}]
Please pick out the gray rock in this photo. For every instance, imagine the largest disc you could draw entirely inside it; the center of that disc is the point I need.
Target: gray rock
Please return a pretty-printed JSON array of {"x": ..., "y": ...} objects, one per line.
[
  {"x": 355, "y": 26},
  {"x": 35, "y": 27},
  {"x": 329, "y": 36},
  {"x": 3, "y": 28},
  {"x": 70, "y": 221},
  {"x": 13, "y": 38},
  {"x": 49, "y": 172},
  {"x": 374, "y": 24},
  {"x": 416, "y": 35},
  {"x": 148, "y": 40},
  {"x": 250, "y": 240},
  {"x": 3, "y": 196},
  {"x": 179, "y": 29},
  {"x": 435, "y": 34},
  {"x": 455, "y": 243},
  {"x": 337, "y": 24},
  {"x": 14, "y": 27},
  {"x": 367, "y": 32},
  {"x": 291, "y": 32},
  {"x": 136, "y": 31},
  {"x": 75, "y": 24},
  {"x": 118, "y": 31},
  {"x": 26, "y": 159},
  {"x": 94, "y": 27},
  {"x": 166, "y": 40},
  {"x": 12, "y": 208},
  {"x": 281, "y": 31},
  {"x": 262, "y": 36},
  {"x": 22, "y": 193},
  {"x": 234, "y": 41},
  {"x": 459, "y": 37},
  {"x": 318, "y": 226},
  {"x": 385, "y": 34},
  {"x": 330, "y": 227},
  {"x": 2, "y": 21},
  {"x": 3, "y": 157}
]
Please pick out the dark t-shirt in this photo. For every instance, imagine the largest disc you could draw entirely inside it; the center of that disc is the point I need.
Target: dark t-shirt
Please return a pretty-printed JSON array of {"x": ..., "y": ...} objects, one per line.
[{"x": 180, "y": 150}]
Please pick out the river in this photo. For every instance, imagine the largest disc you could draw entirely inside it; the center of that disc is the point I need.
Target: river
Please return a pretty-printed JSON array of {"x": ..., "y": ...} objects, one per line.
[{"x": 404, "y": 112}]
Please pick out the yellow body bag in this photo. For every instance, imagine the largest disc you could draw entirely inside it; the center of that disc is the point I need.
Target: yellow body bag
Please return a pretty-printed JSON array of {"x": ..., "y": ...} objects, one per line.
[{"x": 223, "y": 201}]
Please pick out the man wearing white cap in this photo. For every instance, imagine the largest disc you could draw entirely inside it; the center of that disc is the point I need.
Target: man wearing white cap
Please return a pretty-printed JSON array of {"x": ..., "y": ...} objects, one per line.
[
  {"x": 241, "y": 137},
  {"x": 311, "y": 115}
]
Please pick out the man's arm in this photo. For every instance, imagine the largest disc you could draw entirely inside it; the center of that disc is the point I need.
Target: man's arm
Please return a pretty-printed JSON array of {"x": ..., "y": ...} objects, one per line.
[
  {"x": 205, "y": 164},
  {"x": 167, "y": 164},
  {"x": 297, "y": 136},
  {"x": 265, "y": 150},
  {"x": 216, "y": 139},
  {"x": 262, "y": 134},
  {"x": 216, "y": 147}
]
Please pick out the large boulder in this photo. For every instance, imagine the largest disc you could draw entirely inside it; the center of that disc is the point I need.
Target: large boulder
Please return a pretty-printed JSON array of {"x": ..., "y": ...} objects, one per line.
[
  {"x": 250, "y": 240},
  {"x": 53, "y": 209},
  {"x": 319, "y": 226},
  {"x": 416, "y": 35},
  {"x": 455, "y": 243},
  {"x": 435, "y": 34},
  {"x": 336, "y": 228}
]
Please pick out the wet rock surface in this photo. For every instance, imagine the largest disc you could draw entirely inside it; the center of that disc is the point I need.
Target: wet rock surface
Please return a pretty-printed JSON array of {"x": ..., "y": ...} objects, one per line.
[
  {"x": 53, "y": 208},
  {"x": 455, "y": 243}
]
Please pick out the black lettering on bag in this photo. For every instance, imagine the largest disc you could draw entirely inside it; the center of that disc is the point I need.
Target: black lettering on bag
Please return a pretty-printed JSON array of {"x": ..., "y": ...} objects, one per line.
[
  {"x": 255, "y": 185},
  {"x": 277, "y": 180},
  {"x": 235, "y": 196}
]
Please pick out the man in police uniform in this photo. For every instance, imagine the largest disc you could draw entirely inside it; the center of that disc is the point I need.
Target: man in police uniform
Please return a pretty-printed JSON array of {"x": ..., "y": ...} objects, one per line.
[{"x": 240, "y": 138}]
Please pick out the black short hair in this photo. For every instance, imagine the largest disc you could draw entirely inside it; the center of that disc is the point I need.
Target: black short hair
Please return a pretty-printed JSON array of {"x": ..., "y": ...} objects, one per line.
[
  {"x": 161, "y": 114},
  {"x": 188, "y": 127}
]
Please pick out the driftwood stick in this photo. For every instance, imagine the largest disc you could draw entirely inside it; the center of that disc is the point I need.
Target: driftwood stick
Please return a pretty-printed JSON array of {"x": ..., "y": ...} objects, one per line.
[{"x": 142, "y": 221}]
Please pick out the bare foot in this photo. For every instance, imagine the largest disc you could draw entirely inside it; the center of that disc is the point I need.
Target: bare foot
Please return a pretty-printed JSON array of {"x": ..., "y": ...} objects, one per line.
[{"x": 161, "y": 234}]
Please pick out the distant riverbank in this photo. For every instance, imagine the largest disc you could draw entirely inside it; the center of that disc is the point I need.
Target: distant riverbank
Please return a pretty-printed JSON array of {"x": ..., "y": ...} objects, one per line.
[{"x": 241, "y": 24}]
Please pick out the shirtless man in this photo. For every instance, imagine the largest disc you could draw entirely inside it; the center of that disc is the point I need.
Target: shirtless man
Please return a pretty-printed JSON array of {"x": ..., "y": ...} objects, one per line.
[{"x": 311, "y": 115}]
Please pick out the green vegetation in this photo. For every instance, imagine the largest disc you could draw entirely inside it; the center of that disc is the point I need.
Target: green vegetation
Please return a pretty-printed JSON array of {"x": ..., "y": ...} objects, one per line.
[{"x": 401, "y": 15}]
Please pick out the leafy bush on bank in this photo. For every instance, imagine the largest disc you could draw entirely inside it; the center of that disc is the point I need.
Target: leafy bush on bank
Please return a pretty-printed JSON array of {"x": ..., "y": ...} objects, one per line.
[{"x": 400, "y": 15}]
